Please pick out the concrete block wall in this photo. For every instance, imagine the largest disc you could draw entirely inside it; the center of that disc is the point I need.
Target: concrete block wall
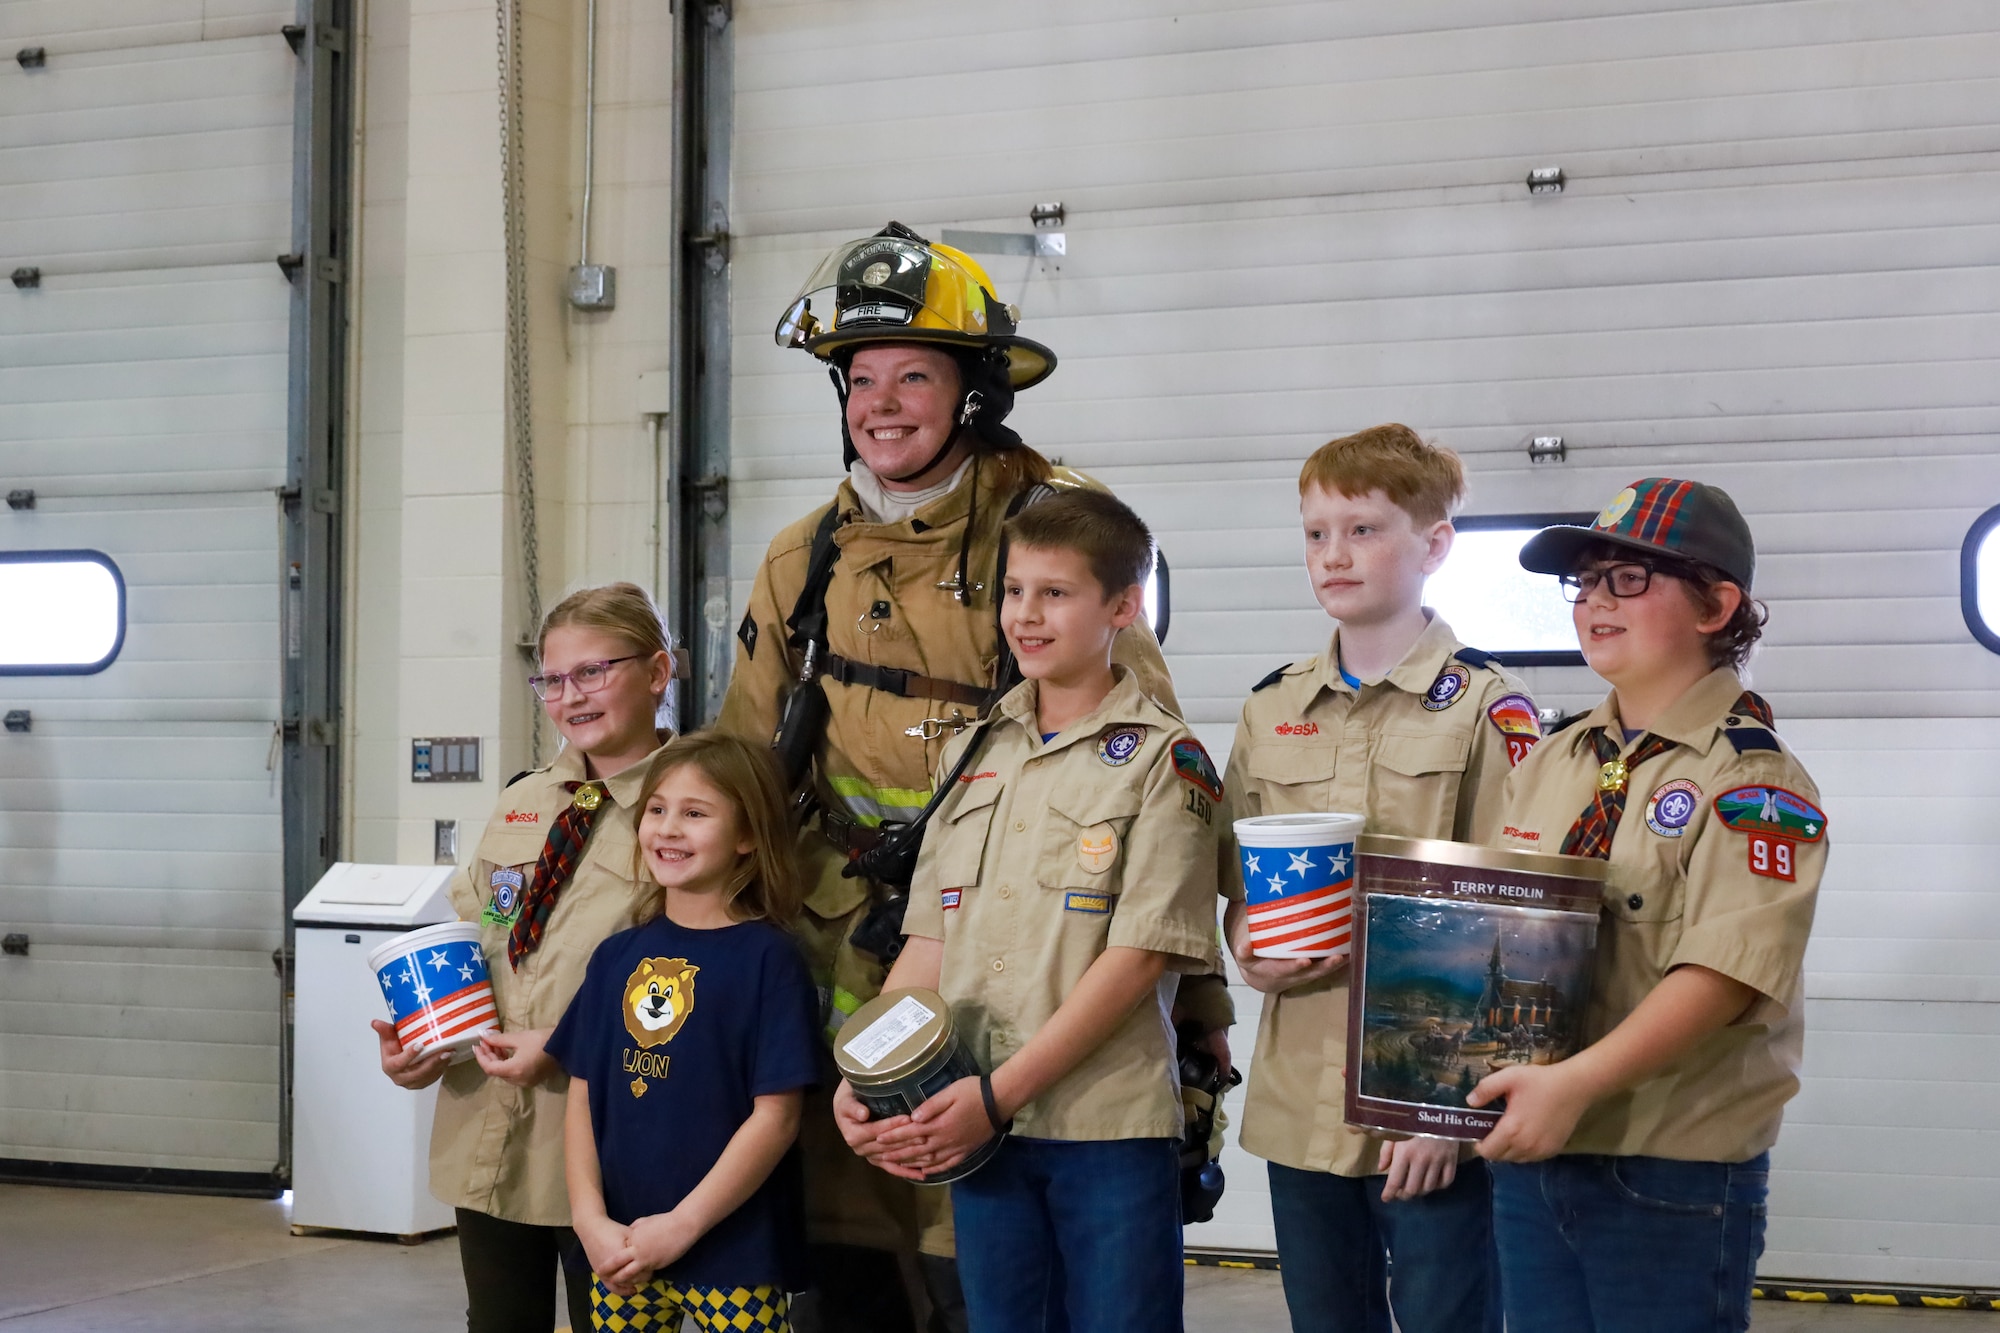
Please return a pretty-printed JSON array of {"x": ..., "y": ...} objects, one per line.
[{"x": 435, "y": 598}]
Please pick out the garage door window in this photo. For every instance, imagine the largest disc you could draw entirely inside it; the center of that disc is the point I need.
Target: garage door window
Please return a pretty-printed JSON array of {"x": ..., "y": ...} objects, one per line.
[
  {"x": 64, "y": 612},
  {"x": 1979, "y": 579},
  {"x": 1493, "y": 603}
]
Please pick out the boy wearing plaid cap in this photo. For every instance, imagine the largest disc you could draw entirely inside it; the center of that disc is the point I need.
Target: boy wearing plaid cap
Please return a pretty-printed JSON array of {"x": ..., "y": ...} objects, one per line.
[{"x": 1629, "y": 1181}]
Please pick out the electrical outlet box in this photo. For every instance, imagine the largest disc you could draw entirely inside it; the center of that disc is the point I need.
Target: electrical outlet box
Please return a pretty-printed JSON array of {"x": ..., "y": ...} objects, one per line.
[
  {"x": 444, "y": 759},
  {"x": 593, "y": 286}
]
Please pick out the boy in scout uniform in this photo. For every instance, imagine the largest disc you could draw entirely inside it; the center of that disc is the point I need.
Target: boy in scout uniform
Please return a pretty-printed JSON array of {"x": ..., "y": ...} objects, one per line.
[
  {"x": 1399, "y": 721},
  {"x": 1629, "y": 1180},
  {"x": 1063, "y": 884}
]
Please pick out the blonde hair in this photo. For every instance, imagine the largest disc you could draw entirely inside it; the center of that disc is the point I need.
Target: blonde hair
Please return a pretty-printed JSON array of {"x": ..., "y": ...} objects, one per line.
[
  {"x": 1423, "y": 480},
  {"x": 766, "y": 886},
  {"x": 623, "y": 609},
  {"x": 626, "y": 611}
]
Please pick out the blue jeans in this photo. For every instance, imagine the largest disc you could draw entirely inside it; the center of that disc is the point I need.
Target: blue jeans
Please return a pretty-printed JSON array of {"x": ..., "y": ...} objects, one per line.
[
  {"x": 1337, "y": 1239},
  {"x": 1110, "y": 1209},
  {"x": 1632, "y": 1244}
]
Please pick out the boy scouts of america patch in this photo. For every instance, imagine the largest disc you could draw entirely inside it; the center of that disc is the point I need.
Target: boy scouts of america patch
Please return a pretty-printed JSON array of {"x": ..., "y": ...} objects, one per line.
[
  {"x": 1116, "y": 748},
  {"x": 1444, "y": 691},
  {"x": 506, "y": 883},
  {"x": 1515, "y": 718},
  {"x": 1196, "y": 768},
  {"x": 1671, "y": 806}
]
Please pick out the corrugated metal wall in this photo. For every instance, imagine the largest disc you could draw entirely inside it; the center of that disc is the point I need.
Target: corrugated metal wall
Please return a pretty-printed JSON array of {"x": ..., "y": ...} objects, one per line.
[
  {"x": 147, "y": 169},
  {"x": 1774, "y": 268}
]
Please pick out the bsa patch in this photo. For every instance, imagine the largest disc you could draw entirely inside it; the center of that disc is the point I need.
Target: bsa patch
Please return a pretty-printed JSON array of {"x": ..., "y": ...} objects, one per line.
[
  {"x": 1196, "y": 768},
  {"x": 950, "y": 897},
  {"x": 1771, "y": 810},
  {"x": 1515, "y": 718},
  {"x": 507, "y": 883},
  {"x": 1444, "y": 691},
  {"x": 1097, "y": 849},
  {"x": 746, "y": 634},
  {"x": 1671, "y": 806},
  {"x": 1097, "y": 904},
  {"x": 1117, "y": 747}
]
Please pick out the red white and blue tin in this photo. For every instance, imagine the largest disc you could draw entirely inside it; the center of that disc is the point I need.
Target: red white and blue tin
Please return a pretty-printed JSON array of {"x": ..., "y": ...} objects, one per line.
[
  {"x": 1298, "y": 883},
  {"x": 437, "y": 989}
]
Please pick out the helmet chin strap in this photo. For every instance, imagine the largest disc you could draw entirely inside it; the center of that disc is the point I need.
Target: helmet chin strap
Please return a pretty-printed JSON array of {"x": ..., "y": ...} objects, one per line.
[{"x": 968, "y": 407}]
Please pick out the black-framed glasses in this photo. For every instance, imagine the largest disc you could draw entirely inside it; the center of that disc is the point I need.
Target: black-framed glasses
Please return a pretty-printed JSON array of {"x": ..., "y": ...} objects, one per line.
[
  {"x": 1626, "y": 579},
  {"x": 589, "y": 677}
]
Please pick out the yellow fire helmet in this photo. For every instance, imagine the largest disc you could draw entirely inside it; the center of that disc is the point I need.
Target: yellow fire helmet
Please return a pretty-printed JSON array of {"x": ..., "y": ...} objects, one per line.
[{"x": 895, "y": 286}]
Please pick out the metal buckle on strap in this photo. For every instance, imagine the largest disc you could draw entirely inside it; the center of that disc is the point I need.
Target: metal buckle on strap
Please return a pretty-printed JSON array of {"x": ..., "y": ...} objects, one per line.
[{"x": 933, "y": 727}]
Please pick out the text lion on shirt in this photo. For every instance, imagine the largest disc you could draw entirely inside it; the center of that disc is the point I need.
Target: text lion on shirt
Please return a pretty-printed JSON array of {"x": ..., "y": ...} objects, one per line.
[{"x": 659, "y": 996}]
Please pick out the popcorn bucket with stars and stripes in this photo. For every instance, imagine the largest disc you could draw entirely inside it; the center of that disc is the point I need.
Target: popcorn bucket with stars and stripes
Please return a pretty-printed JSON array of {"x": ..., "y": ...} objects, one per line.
[
  {"x": 436, "y": 985},
  {"x": 1298, "y": 883}
]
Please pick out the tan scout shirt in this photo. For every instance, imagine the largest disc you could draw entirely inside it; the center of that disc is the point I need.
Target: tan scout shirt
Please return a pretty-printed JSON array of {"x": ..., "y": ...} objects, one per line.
[
  {"x": 1311, "y": 742},
  {"x": 1682, "y": 892},
  {"x": 1045, "y": 856},
  {"x": 496, "y": 1148},
  {"x": 890, "y": 603}
]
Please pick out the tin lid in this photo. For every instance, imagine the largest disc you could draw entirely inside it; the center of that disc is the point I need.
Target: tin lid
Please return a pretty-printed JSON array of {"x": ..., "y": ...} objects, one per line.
[
  {"x": 1471, "y": 855},
  {"x": 893, "y": 1036}
]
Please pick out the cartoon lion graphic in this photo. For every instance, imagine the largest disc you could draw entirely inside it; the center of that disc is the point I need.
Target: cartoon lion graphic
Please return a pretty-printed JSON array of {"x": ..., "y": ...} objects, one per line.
[{"x": 659, "y": 996}]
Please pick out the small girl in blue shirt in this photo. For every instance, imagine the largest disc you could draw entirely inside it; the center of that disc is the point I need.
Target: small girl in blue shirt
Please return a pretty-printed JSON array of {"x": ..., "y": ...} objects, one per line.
[{"x": 689, "y": 1046}]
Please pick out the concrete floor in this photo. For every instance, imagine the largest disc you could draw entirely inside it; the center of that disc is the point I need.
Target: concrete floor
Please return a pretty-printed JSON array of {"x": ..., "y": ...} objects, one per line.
[{"x": 91, "y": 1260}]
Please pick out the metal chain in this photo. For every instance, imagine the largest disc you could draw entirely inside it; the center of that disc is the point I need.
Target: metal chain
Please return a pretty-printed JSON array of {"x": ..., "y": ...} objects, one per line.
[{"x": 519, "y": 423}]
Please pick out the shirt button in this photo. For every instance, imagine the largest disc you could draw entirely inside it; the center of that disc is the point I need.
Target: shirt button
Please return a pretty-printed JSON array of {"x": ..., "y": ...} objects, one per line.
[
  {"x": 1006, "y": 892},
  {"x": 1020, "y": 826},
  {"x": 1635, "y": 902},
  {"x": 999, "y": 965}
]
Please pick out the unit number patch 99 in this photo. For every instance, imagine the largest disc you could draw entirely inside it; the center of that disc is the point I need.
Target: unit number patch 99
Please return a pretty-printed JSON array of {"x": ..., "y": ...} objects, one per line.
[{"x": 1771, "y": 856}]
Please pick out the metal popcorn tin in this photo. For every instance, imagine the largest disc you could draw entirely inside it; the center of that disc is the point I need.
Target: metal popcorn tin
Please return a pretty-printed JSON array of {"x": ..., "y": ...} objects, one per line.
[
  {"x": 1467, "y": 959},
  {"x": 900, "y": 1050}
]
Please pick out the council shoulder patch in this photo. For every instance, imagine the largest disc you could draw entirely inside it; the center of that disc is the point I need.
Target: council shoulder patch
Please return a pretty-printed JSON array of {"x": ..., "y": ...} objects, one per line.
[
  {"x": 1763, "y": 809},
  {"x": 1195, "y": 768},
  {"x": 1515, "y": 718},
  {"x": 1117, "y": 746},
  {"x": 1446, "y": 689},
  {"x": 1671, "y": 806}
]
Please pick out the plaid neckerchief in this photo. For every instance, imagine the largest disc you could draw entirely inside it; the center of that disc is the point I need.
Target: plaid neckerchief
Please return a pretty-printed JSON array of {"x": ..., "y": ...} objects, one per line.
[
  {"x": 1594, "y": 829},
  {"x": 555, "y": 867}
]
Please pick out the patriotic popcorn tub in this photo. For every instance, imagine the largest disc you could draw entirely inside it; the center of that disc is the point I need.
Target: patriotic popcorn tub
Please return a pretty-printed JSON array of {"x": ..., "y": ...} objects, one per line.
[
  {"x": 1298, "y": 883},
  {"x": 435, "y": 983}
]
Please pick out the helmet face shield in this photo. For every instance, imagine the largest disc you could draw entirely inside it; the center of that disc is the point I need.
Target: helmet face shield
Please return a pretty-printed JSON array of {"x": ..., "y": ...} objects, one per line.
[
  {"x": 888, "y": 283},
  {"x": 899, "y": 287}
]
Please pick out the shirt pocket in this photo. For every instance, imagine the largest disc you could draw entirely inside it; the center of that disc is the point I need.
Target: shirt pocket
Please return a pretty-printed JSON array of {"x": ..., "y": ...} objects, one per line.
[
  {"x": 1290, "y": 780},
  {"x": 962, "y": 831},
  {"x": 1083, "y": 842},
  {"x": 1413, "y": 784}
]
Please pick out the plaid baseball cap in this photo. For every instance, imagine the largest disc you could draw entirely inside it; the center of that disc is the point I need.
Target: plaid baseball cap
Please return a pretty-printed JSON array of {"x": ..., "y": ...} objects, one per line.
[{"x": 1685, "y": 520}]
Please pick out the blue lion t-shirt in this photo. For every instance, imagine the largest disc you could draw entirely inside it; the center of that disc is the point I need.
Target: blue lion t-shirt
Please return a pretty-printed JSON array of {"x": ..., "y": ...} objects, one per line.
[{"x": 677, "y": 1031}]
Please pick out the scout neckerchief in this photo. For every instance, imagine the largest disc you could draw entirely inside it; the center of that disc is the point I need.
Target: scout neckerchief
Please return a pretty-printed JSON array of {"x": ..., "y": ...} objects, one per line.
[
  {"x": 555, "y": 868},
  {"x": 1594, "y": 829}
]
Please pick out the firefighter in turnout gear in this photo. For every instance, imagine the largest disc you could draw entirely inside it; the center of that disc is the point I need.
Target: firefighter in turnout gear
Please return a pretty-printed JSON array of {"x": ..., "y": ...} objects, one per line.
[{"x": 872, "y": 638}]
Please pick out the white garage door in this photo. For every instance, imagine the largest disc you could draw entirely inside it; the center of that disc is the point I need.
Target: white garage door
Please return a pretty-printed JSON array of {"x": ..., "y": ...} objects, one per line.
[
  {"x": 1774, "y": 268},
  {"x": 146, "y": 169}
]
